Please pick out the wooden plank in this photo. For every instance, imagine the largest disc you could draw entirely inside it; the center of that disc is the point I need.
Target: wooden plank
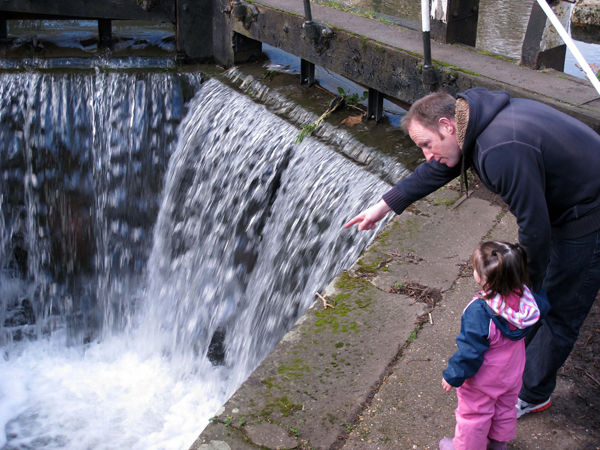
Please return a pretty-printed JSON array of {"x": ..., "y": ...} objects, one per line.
[{"x": 162, "y": 11}]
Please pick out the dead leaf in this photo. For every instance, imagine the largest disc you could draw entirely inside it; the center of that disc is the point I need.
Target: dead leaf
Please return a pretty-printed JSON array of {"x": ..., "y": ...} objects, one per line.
[{"x": 352, "y": 120}]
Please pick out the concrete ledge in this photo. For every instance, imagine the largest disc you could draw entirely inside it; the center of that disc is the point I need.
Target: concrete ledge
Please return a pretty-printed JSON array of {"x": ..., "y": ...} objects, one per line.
[{"x": 388, "y": 58}]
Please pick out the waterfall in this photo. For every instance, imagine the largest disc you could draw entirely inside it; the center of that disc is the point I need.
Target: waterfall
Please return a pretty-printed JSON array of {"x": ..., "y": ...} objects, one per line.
[{"x": 136, "y": 298}]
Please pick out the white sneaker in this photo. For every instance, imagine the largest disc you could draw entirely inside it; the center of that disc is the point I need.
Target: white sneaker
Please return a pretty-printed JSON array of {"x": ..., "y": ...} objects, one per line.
[{"x": 523, "y": 407}]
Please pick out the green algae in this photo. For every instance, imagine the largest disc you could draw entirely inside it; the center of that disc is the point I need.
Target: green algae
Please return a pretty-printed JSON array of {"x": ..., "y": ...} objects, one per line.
[
  {"x": 285, "y": 406},
  {"x": 297, "y": 368}
]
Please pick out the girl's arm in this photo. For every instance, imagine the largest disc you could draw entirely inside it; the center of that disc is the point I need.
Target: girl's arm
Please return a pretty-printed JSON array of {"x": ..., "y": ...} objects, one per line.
[{"x": 472, "y": 344}]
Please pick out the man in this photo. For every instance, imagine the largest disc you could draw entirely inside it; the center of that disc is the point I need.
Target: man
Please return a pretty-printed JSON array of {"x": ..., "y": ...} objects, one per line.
[{"x": 546, "y": 166}]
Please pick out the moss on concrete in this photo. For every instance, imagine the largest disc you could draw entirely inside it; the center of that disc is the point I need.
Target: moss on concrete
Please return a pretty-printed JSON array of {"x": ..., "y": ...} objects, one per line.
[{"x": 296, "y": 368}]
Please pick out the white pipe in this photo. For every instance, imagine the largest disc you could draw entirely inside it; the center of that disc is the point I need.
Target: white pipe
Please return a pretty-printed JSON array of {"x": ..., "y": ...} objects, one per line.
[
  {"x": 425, "y": 15},
  {"x": 565, "y": 36}
]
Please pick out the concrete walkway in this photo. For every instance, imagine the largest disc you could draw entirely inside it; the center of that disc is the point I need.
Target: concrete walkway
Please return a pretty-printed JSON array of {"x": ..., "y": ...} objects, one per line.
[{"x": 366, "y": 374}]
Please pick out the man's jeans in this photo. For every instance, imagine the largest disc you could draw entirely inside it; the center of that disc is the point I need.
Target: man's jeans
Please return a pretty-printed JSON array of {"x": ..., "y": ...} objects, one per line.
[{"x": 572, "y": 282}]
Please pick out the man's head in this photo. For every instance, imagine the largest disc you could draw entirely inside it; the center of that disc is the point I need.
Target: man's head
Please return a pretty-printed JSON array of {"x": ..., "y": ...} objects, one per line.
[{"x": 431, "y": 124}]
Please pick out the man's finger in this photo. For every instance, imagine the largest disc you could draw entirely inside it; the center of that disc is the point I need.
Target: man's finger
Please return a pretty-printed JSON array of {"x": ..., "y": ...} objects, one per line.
[{"x": 353, "y": 221}]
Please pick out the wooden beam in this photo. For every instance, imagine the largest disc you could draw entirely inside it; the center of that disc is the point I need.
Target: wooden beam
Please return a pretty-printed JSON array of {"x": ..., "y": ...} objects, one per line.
[
  {"x": 195, "y": 29},
  {"x": 156, "y": 10},
  {"x": 459, "y": 26}
]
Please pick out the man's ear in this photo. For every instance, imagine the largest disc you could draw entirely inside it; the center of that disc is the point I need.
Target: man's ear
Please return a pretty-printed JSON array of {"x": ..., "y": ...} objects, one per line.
[{"x": 449, "y": 126}]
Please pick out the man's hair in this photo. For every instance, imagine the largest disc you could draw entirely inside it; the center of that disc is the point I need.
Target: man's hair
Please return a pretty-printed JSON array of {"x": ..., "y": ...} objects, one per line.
[{"x": 429, "y": 110}]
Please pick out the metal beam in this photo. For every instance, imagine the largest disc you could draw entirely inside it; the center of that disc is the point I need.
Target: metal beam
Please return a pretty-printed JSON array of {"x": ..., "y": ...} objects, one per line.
[
  {"x": 307, "y": 72},
  {"x": 375, "y": 105},
  {"x": 105, "y": 32},
  {"x": 3, "y": 30}
]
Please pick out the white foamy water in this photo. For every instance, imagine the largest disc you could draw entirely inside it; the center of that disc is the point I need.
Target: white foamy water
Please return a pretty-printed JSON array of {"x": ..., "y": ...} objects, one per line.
[{"x": 104, "y": 397}]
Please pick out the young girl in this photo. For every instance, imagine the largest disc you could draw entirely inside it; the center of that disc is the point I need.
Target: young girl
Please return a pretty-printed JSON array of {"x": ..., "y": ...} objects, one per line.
[{"x": 488, "y": 365}]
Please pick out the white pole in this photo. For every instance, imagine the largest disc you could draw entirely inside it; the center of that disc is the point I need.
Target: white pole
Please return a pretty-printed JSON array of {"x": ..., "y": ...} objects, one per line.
[
  {"x": 425, "y": 15},
  {"x": 565, "y": 36}
]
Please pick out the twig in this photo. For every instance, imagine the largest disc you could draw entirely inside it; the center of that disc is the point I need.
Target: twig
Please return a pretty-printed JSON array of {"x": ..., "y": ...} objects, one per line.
[
  {"x": 588, "y": 374},
  {"x": 383, "y": 263},
  {"x": 325, "y": 304},
  {"x": 356, "y": 107},
  {"x": 308, "y": 129},
  {"x": 460, "y": 200},
  {"x": 231, "y": 68},
  {"x": 324, "y": 90},
  {"x": 430, "y": 318},
  {"x": 575, "y": 435}
]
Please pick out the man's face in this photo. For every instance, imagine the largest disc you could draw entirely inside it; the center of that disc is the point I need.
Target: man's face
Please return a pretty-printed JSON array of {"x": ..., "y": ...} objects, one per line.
[{"x": 441, "y": 146}]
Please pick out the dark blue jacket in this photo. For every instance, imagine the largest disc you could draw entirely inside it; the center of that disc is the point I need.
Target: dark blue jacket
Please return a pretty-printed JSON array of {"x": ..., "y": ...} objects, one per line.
[
  {"x": 473, "y": 338},
  {"x": 543, "y": 163}
]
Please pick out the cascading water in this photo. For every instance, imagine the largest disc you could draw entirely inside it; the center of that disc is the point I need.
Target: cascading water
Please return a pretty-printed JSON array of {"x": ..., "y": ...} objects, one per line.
[{"x": 134, "y": 301}]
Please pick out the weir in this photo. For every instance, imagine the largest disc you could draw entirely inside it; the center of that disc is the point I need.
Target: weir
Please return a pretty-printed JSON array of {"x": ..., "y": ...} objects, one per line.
[{"x": 136, "y": 300}]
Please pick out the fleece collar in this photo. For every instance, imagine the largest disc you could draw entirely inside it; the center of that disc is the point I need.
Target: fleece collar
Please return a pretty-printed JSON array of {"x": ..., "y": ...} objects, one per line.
[
  {"x": 527, "y": 313},
  {"x": 461, "y": 116}
]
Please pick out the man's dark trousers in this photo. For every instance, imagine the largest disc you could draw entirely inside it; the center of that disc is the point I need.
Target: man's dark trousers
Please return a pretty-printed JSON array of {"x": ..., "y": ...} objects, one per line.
[{"x": 572, "y": 282}]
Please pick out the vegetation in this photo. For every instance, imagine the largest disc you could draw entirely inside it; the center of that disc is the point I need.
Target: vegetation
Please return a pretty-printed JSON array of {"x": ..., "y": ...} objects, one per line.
[{"x": 344, "y": 99}]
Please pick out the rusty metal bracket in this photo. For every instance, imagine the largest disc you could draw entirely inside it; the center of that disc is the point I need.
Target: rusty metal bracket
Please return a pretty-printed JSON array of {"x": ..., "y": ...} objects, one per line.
[
  {"x": 147, "y": 5},
  {"x": 244, "y": 12},
  {"x": 319, "y": 34}
]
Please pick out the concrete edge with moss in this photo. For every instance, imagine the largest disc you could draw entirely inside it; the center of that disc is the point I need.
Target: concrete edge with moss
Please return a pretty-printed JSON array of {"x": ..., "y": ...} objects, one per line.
[{"x": 310, "y": 390}]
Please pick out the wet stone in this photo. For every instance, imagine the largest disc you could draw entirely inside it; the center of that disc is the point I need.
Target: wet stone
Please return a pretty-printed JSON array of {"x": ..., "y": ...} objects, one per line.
[
  {"x": 270, "y": 436},
  {"x": 22, "y": 314},
  {"x": 215, "y": 445}
]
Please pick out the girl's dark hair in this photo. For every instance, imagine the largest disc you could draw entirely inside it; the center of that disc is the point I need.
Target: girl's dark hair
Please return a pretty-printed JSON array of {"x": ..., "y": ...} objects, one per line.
[{"x": 503, "y": 266}]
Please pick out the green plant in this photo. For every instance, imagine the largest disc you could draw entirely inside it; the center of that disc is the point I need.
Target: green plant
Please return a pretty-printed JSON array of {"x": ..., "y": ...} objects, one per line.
[
  {"x": 269, "y": 73},
  {"x": 308, "y": 128},
  {"x": 227, "y": 421},
  {"x": 349, "y": 100},
  {"x": 294, "y": 431},
  {"x": 347, "y": 426},
  {"x": 354, "y": 99},
  {"x": 412, "y": 337}
]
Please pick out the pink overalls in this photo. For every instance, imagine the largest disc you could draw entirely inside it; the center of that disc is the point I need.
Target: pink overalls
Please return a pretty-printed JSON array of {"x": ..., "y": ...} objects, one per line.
[
  {"x": 488, "y": 366},
  {"x": 486, "y": 401}
]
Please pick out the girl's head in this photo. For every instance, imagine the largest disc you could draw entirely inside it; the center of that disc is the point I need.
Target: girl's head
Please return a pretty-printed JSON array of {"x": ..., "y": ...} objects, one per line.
[{"x": 500, "y": 268}]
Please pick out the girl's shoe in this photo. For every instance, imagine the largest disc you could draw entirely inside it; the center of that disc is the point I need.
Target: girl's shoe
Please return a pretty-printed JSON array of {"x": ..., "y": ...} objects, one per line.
[
  {"x": 446, "y": 444},
  {"x": 495, "y": 445}
]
